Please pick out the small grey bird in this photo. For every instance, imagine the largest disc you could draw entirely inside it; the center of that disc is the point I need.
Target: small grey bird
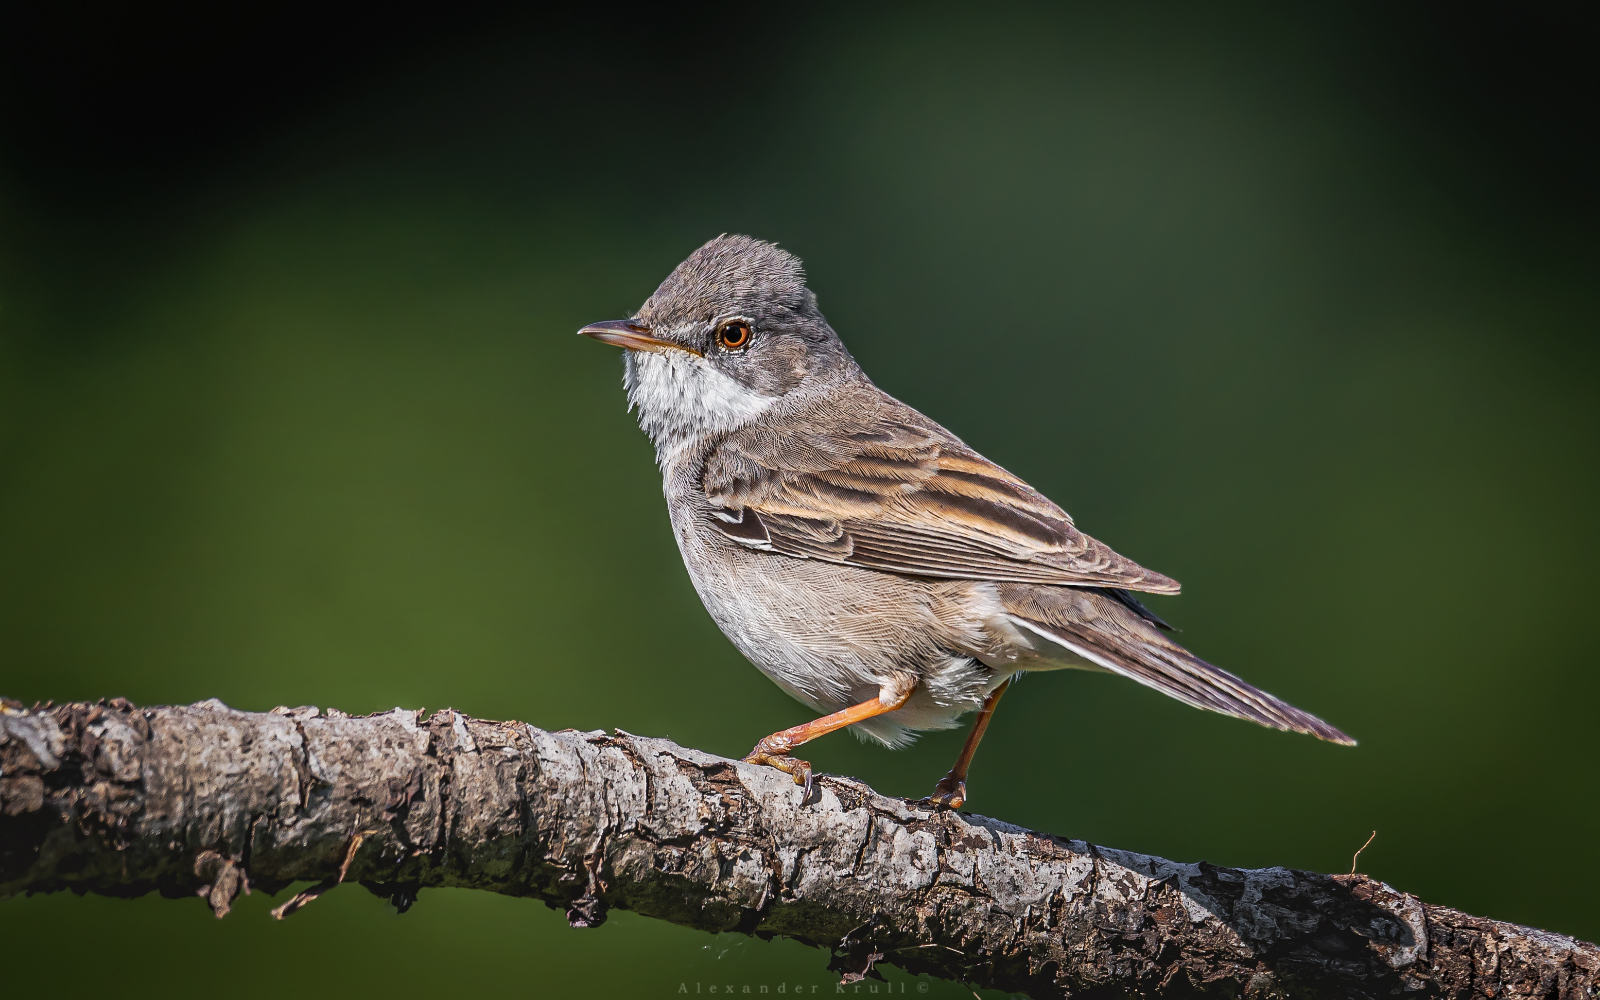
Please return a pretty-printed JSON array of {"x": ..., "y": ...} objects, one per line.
[{"x": 860, "y": 555}]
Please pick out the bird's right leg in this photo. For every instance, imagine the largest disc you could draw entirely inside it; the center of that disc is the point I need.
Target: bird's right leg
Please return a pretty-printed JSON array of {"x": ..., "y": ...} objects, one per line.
[
  {"x": 775, "y": 750},
  {"x": 951, "y": 791}
]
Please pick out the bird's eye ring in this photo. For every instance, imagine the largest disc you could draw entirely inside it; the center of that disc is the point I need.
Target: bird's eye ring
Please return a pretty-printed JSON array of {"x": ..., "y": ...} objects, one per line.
[{"x": 734, "y": 335}]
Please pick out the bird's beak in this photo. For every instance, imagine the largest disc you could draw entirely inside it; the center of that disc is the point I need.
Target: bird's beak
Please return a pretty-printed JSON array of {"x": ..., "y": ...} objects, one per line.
[{"x": 633, "y": 335}]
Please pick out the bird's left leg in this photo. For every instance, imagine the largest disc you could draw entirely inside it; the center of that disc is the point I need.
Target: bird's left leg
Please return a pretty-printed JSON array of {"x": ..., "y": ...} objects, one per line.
[
  {"x": 775, "y": 750},
  {"x": 951, "y": 791}
]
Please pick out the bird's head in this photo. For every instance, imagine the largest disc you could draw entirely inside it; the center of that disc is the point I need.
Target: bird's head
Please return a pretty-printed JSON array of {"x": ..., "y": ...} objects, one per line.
[{"x": 731, "y": 332}]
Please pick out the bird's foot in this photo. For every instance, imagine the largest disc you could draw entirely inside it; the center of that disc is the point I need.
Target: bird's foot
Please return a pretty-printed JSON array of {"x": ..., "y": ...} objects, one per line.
[
  {"x": 949, "y": 793},
  {"x": 773, "y": 751}
]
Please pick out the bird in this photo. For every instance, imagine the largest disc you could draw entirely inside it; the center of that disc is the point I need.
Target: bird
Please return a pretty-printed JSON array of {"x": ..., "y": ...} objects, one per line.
[{"x": 864, "y": 558}]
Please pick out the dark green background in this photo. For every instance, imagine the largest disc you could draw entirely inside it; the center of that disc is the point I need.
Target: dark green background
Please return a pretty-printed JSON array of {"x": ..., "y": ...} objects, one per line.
[{"x": 1297, "y": 307}]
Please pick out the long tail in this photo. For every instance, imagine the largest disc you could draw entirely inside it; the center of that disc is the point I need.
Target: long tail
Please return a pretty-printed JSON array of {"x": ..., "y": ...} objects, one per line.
[{"x": 1098, "y": 627}]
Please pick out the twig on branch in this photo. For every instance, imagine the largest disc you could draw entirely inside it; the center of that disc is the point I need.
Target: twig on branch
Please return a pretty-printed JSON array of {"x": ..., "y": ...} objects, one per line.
[
  {"x": 1357, "y": 855},
  {"x": 114, "y": 799},
  {"x": 300, "y": 899}
]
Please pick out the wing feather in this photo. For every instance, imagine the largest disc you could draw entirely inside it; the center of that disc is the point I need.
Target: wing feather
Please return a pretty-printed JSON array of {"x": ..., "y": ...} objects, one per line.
[
  {"x": 1100, "y": 627},
  {"x": 899, "y": 493}
]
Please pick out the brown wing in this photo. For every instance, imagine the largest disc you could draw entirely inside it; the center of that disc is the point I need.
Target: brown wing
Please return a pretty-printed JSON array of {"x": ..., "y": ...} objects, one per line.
[{"x": 896, "y": 492}]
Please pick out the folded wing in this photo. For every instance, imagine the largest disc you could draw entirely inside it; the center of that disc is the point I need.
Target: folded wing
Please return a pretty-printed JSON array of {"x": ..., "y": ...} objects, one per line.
[{"x": 897, "y": 492}]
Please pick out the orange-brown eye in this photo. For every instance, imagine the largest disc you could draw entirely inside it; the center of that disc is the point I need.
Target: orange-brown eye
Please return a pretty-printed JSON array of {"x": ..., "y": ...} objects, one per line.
[{"x": 734, "y": 334}]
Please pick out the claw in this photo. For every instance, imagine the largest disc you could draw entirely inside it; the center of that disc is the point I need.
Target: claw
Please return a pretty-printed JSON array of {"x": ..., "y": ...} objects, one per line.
[
  {"x": 773, "y": 751},
  {"x": 949, "y": 793}
]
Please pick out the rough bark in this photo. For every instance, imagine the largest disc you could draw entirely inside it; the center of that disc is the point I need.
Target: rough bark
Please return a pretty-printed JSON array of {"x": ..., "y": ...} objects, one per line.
[{"x": 113, "y": 799}]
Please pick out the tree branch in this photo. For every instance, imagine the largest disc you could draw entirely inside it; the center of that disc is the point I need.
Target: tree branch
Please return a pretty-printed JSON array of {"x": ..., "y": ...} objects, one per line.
[{"x": 202, "y": 799}]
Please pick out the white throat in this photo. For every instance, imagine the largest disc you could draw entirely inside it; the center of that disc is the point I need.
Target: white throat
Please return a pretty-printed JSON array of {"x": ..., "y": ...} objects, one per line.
[{"x": 682, "y": 399}]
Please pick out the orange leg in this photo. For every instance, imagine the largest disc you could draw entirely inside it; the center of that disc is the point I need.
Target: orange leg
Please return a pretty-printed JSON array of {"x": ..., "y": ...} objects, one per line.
[
  {"x": 775, "y": 750},
  {"x": 951, "y": 792}
]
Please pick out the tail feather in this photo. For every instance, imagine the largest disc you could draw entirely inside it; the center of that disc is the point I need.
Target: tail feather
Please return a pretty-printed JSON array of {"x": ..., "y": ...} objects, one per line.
[{"x": 1102, "y": 629}]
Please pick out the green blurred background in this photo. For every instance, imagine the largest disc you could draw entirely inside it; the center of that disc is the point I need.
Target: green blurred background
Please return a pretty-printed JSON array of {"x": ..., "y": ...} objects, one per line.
[{"x": 1294, "y": 304}]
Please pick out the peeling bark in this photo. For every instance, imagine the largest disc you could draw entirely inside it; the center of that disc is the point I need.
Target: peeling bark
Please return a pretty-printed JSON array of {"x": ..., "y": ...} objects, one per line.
[{"x": 114, "y": 799}]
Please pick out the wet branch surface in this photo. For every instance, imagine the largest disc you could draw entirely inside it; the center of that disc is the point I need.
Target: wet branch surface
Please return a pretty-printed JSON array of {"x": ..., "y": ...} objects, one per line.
[{"x": 119, "y": 800}]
